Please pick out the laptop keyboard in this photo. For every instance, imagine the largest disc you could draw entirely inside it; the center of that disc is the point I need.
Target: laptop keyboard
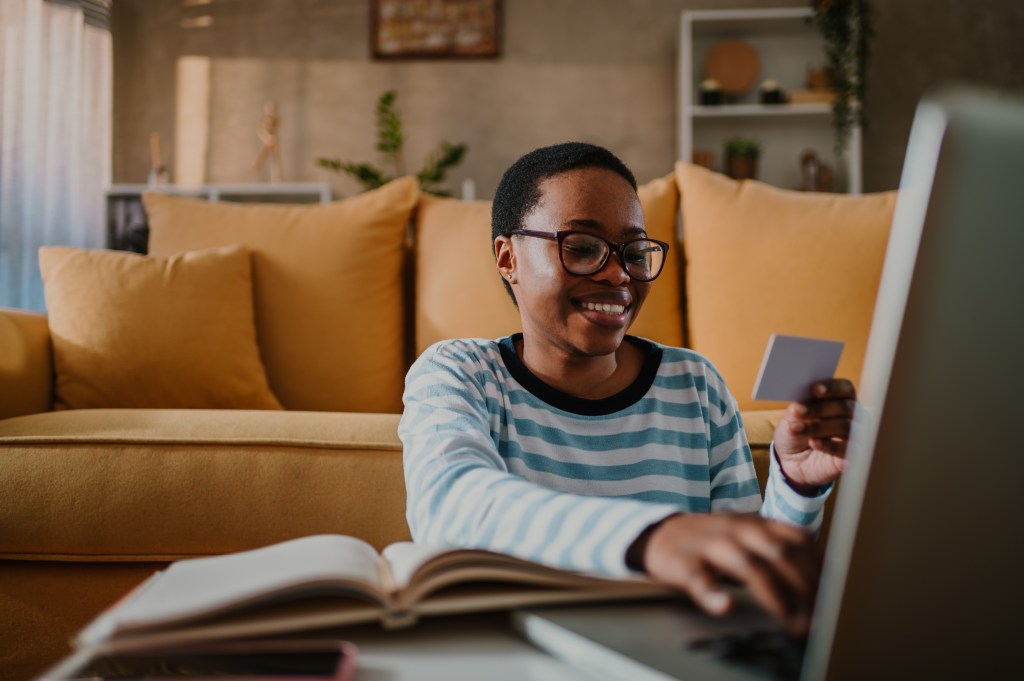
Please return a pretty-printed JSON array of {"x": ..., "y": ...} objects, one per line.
[{"x": 773, "y": 653}]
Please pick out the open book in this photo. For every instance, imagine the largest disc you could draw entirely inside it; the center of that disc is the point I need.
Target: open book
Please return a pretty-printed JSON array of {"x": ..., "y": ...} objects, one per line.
[{"x": 324, "y": 581}]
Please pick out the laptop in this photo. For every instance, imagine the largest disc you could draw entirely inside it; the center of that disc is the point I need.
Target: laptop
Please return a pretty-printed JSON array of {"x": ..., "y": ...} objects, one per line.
[{"x": 924, "y": 564}]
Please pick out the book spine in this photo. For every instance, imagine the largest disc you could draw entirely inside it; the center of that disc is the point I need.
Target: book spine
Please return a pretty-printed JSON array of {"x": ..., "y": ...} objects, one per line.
[{"x": 398, "y": 619}]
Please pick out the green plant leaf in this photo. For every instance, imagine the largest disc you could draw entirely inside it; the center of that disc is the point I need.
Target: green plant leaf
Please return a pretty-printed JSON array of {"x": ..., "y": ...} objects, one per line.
[
  {"x": 390, "y": 140},
  {"x": 742, "y": 146},
  {"x": 437, "y": 164},
  {"x": 330, "y": 164},
  {"x": 847, "y": 28},
  {"x": 367, "y": 175},
  {"x": 389, "y": 125},
  {"x": 370, "y": 177}
]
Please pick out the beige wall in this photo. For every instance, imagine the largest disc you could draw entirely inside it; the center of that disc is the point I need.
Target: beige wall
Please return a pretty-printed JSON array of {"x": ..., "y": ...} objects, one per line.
[
  {"x": 596, "y": 70},
  {"x": 921, "y": 44}
]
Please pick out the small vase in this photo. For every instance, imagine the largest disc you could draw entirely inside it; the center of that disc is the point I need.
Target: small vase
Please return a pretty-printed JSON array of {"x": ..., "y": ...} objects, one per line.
[{"x": 741, "y": 167}]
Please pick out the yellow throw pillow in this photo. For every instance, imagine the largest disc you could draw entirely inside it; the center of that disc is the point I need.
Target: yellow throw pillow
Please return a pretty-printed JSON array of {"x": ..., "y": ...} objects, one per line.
[
  {"x": 459, "y": 292},
  {"x": 327, "y": 283},
  {"x": 661, "y": 318},
  {"x": 763, "y": 260},
  {"x": 134, "y": 331}
]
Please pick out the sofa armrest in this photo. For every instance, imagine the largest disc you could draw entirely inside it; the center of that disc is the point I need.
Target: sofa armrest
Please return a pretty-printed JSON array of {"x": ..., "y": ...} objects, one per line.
[{"x": 26, "y": 363}]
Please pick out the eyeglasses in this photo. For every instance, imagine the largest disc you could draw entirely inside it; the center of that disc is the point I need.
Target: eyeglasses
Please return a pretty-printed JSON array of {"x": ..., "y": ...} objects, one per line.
[{"x": 584, "y": 254}]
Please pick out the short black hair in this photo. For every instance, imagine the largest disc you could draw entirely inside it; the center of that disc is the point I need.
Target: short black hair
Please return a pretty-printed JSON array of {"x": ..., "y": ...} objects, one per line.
[{"x": 519, "y": 192}]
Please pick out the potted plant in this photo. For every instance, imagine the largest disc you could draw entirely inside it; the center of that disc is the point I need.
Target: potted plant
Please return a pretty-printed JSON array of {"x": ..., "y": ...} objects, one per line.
[
  {"x": 390, "y": 140},
  {"x": 741, "y": 155},
  {"x": 846, "y": 27}
]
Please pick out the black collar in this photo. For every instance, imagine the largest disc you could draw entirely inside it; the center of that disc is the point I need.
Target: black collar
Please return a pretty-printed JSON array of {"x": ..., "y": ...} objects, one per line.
[{"x": 627, "y": 397}]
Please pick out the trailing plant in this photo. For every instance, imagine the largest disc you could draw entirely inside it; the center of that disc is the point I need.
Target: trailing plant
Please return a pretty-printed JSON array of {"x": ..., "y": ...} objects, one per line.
[
  {"x": 847, "y": 28},
  {"x": 390, "y": 141},
  {"x": 742, "y": 146}
]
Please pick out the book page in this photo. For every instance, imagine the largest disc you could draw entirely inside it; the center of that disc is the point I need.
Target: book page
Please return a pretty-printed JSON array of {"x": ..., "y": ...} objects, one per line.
[
  {"x": 277, "y": 619},
  {"x": 405, "y": 558},
  {"x": 199, "y": 587},
  {"x": 420, "y": 570}
]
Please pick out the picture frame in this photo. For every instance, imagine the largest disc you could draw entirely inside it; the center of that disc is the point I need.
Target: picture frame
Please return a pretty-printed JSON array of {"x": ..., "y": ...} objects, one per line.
[{"x": 435, "y": 29}]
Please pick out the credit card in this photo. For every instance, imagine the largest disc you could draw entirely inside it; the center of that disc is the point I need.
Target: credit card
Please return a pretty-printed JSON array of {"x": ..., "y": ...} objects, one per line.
[{"x": 792, "y": 364}]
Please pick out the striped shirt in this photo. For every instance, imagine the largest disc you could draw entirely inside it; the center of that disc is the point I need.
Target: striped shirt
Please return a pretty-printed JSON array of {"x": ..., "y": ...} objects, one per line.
[{"x": 497, "y": 459}]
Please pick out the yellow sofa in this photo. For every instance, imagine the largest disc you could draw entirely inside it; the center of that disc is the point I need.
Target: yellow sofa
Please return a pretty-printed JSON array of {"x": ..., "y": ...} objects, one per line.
[{"x": 93, "y": 500}]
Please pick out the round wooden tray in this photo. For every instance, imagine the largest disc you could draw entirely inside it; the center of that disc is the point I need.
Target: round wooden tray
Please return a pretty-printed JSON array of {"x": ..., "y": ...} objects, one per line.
[{"x": 735, "y": 64}]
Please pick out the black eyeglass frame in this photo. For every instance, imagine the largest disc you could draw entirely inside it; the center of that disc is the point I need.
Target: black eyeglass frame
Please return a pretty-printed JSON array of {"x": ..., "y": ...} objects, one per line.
[{"x": 615, "y": 248}]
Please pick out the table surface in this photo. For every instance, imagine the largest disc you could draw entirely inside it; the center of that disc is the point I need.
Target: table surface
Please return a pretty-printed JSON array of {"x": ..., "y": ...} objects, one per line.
[{"x": 451, "y": 648}]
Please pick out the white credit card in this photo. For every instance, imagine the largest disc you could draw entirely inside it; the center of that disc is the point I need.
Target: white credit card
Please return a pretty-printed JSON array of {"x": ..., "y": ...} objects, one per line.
[{"x": 792, "y": 364}]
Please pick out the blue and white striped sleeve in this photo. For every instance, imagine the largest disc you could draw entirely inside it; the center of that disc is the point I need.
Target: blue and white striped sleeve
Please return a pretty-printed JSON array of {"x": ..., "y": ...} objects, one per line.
[
  {"x": 734, "y": 485},
  {"x": 782, "y": 502},
  {"x": 461, "y": 493}
]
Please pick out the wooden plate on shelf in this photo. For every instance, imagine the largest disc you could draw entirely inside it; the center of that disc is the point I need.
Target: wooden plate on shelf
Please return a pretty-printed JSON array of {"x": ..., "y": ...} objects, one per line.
[{"x": 735, "y": 64}]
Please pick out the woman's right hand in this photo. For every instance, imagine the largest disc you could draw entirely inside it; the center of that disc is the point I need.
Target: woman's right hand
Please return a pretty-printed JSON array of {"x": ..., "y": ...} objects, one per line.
[{"x": 777, "y": 563}]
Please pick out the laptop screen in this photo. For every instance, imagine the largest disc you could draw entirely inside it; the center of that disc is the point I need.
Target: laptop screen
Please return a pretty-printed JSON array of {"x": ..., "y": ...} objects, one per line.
[{"x": 922, "y": 573}]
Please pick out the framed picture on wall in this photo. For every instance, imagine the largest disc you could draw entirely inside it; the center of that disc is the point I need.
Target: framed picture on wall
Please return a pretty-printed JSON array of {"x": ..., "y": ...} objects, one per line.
[{"x": 405, "y": 29}]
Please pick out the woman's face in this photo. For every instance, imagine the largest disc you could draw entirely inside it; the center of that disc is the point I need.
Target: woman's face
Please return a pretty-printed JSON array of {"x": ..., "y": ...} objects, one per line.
[{"x": 568, "y": 311}]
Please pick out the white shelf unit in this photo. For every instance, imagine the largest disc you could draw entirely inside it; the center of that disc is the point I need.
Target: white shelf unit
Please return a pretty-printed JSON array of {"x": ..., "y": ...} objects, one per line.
[
  {"x": 787, "y": 46},
  {"x": 277, "y": 192}
]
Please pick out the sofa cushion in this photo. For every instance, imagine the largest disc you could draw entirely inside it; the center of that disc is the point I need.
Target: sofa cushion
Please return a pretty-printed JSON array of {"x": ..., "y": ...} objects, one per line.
[
  {"x": 763, "y": 260},
  {"x": 26, "y": 363},
  {"x": 459, "y": 292},
  {"x": 327, "y": 283},
  {"x": 153, "y": 485},
  {"x": 661, "y": 318},
  {"x": 135, "y": 331}
]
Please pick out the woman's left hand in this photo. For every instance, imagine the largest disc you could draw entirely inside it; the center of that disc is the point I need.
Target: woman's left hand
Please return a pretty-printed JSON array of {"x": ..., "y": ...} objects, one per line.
[{"x": 811, "y": 438}]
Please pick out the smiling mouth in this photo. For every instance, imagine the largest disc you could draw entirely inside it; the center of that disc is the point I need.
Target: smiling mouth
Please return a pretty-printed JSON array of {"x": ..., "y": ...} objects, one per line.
[{"x": 606, "y": 308}]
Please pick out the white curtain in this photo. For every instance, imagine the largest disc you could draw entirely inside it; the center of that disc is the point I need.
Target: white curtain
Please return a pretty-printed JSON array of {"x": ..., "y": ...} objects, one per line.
[{"x": 56, "y": 82}]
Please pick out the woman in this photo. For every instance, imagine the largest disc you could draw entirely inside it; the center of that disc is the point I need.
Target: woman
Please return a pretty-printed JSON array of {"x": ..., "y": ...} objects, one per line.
[{"x": 576, "y": 445}]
